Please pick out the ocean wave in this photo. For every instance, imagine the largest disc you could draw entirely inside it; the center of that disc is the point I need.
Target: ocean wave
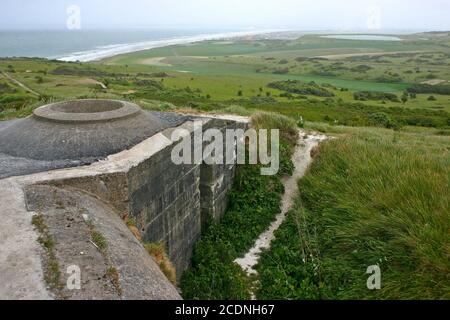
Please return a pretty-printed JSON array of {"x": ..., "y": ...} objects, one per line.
[{"x": 107, "y": 51}]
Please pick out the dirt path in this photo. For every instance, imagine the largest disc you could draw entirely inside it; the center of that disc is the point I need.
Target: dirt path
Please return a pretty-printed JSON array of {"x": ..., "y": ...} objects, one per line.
[
  {"x": 92, "y": 81},
  {"x": 158, "y": 61},
  {"x": 302, "y": 159},
  {"x": 20, "y": 84}
]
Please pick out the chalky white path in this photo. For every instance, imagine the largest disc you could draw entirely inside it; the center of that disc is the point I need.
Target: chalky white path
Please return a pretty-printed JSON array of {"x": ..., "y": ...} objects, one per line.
[{"x": 301, "y": 159}]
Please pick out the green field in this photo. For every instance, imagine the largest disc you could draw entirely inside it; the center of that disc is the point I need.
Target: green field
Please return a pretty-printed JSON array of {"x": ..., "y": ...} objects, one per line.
[{"x": 213, "y": 75}]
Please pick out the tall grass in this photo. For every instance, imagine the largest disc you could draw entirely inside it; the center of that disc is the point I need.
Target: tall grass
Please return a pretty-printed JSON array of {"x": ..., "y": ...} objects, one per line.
[
  {"x": 287, "y": 126},
  {"x": 374, "y": 197}
]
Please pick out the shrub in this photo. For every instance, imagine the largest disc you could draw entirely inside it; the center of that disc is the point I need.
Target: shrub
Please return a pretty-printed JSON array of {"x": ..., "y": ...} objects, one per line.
[
  {"x": 381, "y": 119},
  {"x": 281, "y": 71},
  {"x": 262, "y": 100},
  {"x": 426, "y": 88},
  {"x": 6, "y": 88},
  {"x": 150, "y": 84},
  {"x": 376, "y": 96},
  {"x": 300, "y": 87}
]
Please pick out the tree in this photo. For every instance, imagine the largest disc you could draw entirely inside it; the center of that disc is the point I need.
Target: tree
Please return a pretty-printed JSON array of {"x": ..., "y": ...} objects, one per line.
[{"x": 240, "y": 94}]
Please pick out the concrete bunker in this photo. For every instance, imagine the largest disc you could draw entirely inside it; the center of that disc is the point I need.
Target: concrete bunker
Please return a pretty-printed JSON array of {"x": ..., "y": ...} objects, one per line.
[{"x": 117, "y": 155}]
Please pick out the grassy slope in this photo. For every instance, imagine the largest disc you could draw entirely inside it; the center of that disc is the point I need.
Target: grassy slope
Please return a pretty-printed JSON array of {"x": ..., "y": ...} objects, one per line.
[
  {"x": 216, "y": 64},
  {"x": 372, "y": 197},
  {"x": 244, "y": 57}
]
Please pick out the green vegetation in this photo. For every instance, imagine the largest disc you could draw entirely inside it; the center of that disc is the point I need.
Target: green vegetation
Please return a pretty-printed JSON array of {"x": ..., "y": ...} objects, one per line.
[
  {"x": 426, "y": 88},
  {"x": 158, "y": 252},
  {"x": 113, "y": 275},
  {"x": 254, "y": 203},
  {"x": 99, "y": 240},
  {"x": 372, "y": 197},
  {"x": 376, "y": 96},
  {"x": 52, "y": 274},
  {"x": 299, "y": 87},
  {"x": 320, "y": 79},
  {"x": 6, "y": 88}
]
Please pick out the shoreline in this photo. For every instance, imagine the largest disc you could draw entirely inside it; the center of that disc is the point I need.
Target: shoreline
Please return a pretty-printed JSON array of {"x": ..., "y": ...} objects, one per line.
[{"x": 110, "y": 51}]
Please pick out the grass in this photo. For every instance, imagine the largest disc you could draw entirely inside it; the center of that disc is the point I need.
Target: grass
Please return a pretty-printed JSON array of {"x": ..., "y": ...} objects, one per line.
[
  {"x": 101, "y": 244},
  {"x": 158, "y": 252},
  {"x": 113, "y": 275},
  {"x": 52, "y": 273},
  {"x": 99, "y": 240},
  {"x": 372, "y": 197}
]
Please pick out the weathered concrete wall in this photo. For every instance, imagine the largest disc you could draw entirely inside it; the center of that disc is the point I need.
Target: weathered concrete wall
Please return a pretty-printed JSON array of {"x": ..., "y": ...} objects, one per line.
[
  {"x": 165, "y": 201},
  {"x": 217, "y": 179},
  {"x": 70, "y": 217}
]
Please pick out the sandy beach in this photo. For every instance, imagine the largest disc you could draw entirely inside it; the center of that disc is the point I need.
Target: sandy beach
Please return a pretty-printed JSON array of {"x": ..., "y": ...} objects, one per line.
[{"x": 113, "y": 50}]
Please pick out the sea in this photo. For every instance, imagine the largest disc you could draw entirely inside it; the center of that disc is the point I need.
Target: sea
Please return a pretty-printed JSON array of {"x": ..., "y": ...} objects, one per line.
[{"x": 92, "y": 45}]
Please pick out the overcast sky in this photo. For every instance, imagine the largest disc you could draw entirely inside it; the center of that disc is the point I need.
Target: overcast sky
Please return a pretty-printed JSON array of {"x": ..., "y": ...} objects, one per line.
[{"x": 261, "y": 14}]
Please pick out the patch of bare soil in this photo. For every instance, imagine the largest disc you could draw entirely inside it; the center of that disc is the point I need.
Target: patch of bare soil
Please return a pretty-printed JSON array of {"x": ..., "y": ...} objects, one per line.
[{"x": 158, "y": 61}]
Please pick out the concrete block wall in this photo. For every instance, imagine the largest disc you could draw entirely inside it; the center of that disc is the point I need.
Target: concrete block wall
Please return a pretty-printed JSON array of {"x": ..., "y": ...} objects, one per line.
[
  {"x": 165, "y": 201},
  {"x": 217, "y": 179}
]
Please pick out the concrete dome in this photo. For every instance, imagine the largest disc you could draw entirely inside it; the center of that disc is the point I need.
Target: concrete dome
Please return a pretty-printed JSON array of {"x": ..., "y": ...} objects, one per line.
[{"x": 79, "y": 129}]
